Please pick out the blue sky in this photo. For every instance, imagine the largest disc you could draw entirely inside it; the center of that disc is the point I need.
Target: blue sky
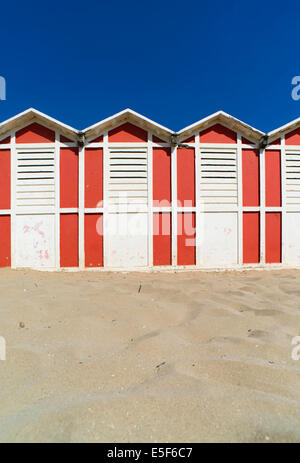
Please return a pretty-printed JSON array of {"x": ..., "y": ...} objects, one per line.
[{"x": 173, "y": 61}]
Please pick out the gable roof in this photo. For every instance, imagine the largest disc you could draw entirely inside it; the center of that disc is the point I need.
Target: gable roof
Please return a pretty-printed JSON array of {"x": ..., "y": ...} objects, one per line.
[
  {"x": 127, "y": 115},
  {"x": 33, "y": 115},
  {"x": 274, "y": 134},
  {"x": 223, "y": 118}
]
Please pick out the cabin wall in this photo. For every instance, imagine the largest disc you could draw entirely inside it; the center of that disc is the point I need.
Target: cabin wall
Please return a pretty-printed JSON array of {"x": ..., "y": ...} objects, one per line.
[{"x": 216, "y": 201}]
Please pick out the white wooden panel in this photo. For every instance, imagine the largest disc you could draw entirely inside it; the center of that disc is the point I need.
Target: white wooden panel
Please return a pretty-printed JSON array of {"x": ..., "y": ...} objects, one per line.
[
  {"x": 120, "y": 200},
  {"x": 220, "y": 200},
  {"x": 209, "y": 174},
  {"x": 36, "y": 169},
  {"x": 218, "y": 177},
  {"x": 124, "y": 181},
  {"x": 219, "y": 186},
  {"x": 126, "y": 220},
  {"x": 292, "y": 248},
  {"x": 35, "y": 174},
  {"x": 218, "y": 162},
  {"x": 34, "y": 162},
  {"x": 23, "y": 194},
  {"x": 127, "y": 240},
  {"x": 292, "y": 178},
  {"x": 135, "y": 194},
  {"x": 219, "y": 193},
  {"x": 37, "y": 181},
  {"x": 291, "y": 187},
  {"x": 292, "y": 157},
  {"x": 219, "y": 241},
  {"x": 35, "y": 241},
  {"x": 125, "y": 169},
  {"x": 128, "y": 161},
  {"x": 220, "y": 181},
  {"x": 35, "y": 202}
]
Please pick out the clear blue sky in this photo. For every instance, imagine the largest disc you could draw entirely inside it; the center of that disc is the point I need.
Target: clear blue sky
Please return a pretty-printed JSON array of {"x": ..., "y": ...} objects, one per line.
[{"x": 172, "y": 61}]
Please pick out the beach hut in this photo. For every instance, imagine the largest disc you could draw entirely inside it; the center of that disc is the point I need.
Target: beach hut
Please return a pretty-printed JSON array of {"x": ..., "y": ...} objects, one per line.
[{"x": 130, "y": 194}]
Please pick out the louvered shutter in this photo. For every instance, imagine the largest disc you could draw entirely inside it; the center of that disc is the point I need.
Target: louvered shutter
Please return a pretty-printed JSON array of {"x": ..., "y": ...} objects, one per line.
[
  {"x": 218, "y": 177},
  {"x": 35, "y": 180},
  {"x": 127, "y": 179},
  {"x": 292, "y": 179}
]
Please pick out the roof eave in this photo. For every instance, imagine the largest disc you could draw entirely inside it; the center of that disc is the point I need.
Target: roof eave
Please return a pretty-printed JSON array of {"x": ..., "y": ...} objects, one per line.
[
  {"x": 32, "y": 115},
  {"x": 127, "y": 115},
  {"x": 277, "y": 133},
  {"x": 229, "y": 121}
]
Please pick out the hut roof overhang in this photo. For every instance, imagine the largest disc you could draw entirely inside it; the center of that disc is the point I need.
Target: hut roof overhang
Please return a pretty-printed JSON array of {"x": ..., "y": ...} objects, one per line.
[
  {"x": 220, "y": 117},
  {"x": 277, "y": 133},
  {"x": 32, "y": 115},
  {"x": 127, "y": 115}
]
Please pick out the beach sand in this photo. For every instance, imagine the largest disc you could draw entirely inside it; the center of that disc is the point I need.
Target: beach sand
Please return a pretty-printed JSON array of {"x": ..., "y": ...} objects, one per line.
[{"x": 155, "y": 357}]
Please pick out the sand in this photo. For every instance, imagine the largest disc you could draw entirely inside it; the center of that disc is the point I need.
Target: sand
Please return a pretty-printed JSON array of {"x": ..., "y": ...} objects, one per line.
[{"x": 191, "y": 357}]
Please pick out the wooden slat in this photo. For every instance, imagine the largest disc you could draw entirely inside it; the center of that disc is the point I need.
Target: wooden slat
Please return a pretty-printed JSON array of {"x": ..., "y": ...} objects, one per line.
[
  {"x": 38, "y": 181},
  {"x": 35, "y": 202},
  {"x": 29, "y": 169},
  {"x": 128, "y": 169},
  {"x": 292, "y": 157},
  {"x": 292, "y": 169},
  {"x": 123, "y": 181},
  {"x": 219, "y": 176},
  {"x": 35, "y": 185},
  {"x": 218, "y": 186},
  {"x": 120, "y": 194},
  {"x": 31, "y": 194},
  {"x": 124, "y": 186},
  {"x": 220, "y": 200},
  {"x": 26, "y": 162},
  {"x": 219, "y": 193},
  {"x": 134, "y": 162},
  {"x": 218, "y": 162},
  {"x": 128, "y": 175},
  {"x": 221, "y": 181},
  {"x": 128, "y": 201}
]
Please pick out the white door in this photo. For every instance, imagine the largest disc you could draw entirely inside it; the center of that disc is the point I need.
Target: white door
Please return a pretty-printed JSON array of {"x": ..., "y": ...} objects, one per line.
[
  {"x": 126, "y": 223},
  {"x": 34, "y": 231}
]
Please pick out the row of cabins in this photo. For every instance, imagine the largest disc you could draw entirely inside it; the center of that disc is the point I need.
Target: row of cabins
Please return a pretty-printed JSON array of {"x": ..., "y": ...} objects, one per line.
[{"x": 128, "y": 193}]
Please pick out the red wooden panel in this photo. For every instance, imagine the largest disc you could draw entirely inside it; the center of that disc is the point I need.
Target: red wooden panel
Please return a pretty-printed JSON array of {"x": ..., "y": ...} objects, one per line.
[
  {"x": 69, "y": 240},
  {"x": 157, "y": 140},
  {"x": 93, "y": 240},
  {"x": 276, "y": 142},
  {"x": 217, "y": 134},
  {"x": 189, "y": 140},
  {"x": 5, "y": 141},
  {"x": 247, "y": 142},
  {"x": 162, "y": 244},
  {"x": 186, "y": 177},
  {"x": 186, "y": 233},
  {"x": 161, "y": 176},
  {"x": 4, "y": 179},
  {"x": 64, "y": 139},
  {"x": 292, "y": 138},
  {"x": 250, "y": 177},
  {"x": 127, "y": 133},
  {"x": 273, "y": 237},
  {"x": 35, "y": 133},
  {"x": 5, "y": 235},
  {"x": 97, "y": 140},
  {"x": 69, "y": 177},
  {"x": 251, "y": 234},
  {"x": 93, "y": 177},
  {"x": 273, "y": 178}
]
